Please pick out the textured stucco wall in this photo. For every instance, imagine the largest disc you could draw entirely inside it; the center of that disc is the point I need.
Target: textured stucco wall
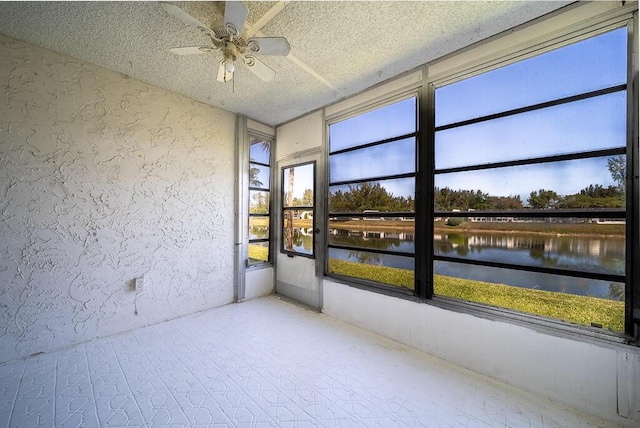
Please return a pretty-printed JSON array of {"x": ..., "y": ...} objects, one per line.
[{"x": 104, "y": 179}]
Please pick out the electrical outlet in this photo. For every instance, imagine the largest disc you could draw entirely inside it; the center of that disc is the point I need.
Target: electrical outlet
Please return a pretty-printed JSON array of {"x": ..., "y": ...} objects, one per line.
[{"x": 138, "y": 284}]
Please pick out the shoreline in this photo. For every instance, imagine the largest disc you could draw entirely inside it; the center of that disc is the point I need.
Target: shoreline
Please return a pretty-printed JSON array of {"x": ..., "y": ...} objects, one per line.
[
  {"x": 545, "y": 229},
  {"x": 587, "y": 230}
]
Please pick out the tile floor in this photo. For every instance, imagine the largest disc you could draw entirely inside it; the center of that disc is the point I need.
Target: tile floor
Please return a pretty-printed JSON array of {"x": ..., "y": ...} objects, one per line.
[{"x": 263, "y": 363}]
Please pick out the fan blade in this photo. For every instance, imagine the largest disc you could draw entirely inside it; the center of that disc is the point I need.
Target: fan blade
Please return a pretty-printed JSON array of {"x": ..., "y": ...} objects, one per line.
[
  {"x": 223, "y": 74},
  {"x": 259, "y": 68},
  {"x": 191, "y": 50},
  {"x": 185, "y": 17},
  {"x": 269, "y": 45},
  {"x": 235, "y": 15}
]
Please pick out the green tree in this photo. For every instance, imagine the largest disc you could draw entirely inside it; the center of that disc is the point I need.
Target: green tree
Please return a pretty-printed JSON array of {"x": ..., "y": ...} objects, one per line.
[
  {"x": 367, "y": 197},
  {"x": 307, "y": 198},
  {"x": 259, "y": 203},
  {"x": 544, "y": 199},
  {"x": 505, "y": 202},
  {"x": 253, "y": 177},
  {"x": 617, "y": 166}
]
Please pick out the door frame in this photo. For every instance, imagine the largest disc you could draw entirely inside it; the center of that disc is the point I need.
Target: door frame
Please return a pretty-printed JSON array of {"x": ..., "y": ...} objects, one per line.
[{"x": 307, "y": 288}]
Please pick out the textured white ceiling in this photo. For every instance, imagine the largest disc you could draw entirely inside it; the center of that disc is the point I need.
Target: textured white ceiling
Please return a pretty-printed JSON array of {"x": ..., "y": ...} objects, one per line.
[{"x": 337, "y": 48}]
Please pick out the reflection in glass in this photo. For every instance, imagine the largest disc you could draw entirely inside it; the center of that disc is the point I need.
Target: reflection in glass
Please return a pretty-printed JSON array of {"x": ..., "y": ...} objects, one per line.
[
  {"x": 258, "y": 227},
  {"x": 591, "y": 124},
  {"x": 298, "y": 231},
  {"x": 397, "y": 157},
  {"x": 386, "y": 234},
  {"x": 260, "y": 151},
  {"x": 581, "y": 183},
  {"x": 585, "y": 66},
  {"x": 258, "y": 202},
  {"x": 389, "y": 121},
  {"x": 585, "y": 246}
]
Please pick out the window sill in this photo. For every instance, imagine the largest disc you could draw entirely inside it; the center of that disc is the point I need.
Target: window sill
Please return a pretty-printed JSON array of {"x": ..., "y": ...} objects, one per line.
[
  {"x": 540, "y": 324},
  {"x": 259, "y": 266},
  {"x": 557, "y": 328}
]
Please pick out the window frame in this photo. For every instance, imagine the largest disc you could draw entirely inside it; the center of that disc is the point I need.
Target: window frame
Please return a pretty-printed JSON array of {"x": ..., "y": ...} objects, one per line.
[
  {"x": 252, "y": 134},
  {"x": 284, "y": 209},
  {"x": 486, "y": 56},
  {"x": 389, "y": 99},
  {"x": 630, "y": 278}
]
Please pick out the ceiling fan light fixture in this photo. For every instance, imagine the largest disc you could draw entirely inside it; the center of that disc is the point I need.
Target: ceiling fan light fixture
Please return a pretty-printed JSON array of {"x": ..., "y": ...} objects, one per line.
[
  {"x": 229, "y": 66},
  {"x": 232, "y": 30},
  {"x": 226, "y": 37}
]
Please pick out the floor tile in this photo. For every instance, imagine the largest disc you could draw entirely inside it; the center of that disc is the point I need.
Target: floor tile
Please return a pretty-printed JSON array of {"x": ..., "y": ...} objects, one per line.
[{"x": 263, "y": 363}]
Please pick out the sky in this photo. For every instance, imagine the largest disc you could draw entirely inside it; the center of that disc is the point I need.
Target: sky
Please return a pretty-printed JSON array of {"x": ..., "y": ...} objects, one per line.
[
  {"x": 302, "y": 179},
  {"x": 592, "y": 124}
]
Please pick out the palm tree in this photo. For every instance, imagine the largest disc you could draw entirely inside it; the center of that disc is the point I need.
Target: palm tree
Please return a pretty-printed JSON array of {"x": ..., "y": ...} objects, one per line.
[{"x": 289, "y": 202}]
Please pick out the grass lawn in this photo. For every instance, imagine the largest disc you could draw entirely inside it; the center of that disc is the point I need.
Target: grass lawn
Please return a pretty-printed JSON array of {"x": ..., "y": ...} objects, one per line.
[
  {"x": 568, "y": 307},
  {"x": 258, "y": 253}
]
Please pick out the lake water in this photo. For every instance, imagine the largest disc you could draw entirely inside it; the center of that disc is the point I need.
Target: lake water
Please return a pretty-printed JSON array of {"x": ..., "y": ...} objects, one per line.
[{"x": 591, "y": 254}]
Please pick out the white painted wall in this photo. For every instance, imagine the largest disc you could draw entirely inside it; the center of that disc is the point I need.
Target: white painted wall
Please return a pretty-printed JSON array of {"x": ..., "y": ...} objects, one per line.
[
  {"x": 598, "y": 378},
  {"x": 299, "y": 141},
  {"x": 300, "y": 135},
  {"x": 583, "y": 375},
  {"x": 258, "y": 282},
  {"x": 104, "y": 179}
]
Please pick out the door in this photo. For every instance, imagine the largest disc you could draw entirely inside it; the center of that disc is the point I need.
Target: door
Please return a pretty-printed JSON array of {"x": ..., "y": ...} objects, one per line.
[{"x": 298, "y": 266}]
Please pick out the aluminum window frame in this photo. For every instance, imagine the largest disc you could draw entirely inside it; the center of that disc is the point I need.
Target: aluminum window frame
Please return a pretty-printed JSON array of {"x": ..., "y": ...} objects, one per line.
[
  {"x": 312, "y": 208},
  {"x": 391, "y": 98},
  {"x": 631, "y": 277},
  {"x": 253, "y": 134},
  {"x": 567, "y": 25}
]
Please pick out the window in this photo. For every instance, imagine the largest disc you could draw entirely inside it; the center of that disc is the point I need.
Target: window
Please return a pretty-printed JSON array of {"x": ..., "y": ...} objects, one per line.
[
  {"x": 519, "y": 194},
  {"x": 372, "y": 168},
  {"x": 259, "y": 197},
  {"x": 298, "y": 212},
  {"x": 530, "y": 199}
]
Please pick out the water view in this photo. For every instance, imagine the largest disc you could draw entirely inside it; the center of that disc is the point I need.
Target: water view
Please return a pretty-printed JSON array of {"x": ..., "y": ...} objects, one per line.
[{"x": 601, "y": 254}]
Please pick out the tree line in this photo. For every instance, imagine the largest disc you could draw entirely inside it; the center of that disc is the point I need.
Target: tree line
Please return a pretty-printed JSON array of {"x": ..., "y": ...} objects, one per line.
[
  {"x": 593, "y": 196},
  {"x": 367, "y": 196}
]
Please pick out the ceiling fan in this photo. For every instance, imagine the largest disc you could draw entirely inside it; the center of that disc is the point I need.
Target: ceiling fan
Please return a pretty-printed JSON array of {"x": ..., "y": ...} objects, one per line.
[{"x": 226, "y": 37}]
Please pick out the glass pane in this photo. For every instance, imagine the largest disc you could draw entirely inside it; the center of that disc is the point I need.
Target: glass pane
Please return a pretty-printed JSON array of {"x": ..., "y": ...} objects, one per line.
[
  {"x": 260, "y": 151},
  {"x": 259, "y": 176},
  {"x": 297, "y": 235},
  {"x": 259, "y": 227},
  {"x": 582, "y": 183},
  {"x": 591, "y": 124},
  {"x": 396, "y": 235},
  {"x": 578, "y": 300},
  {"x": 384, "y": 268},
  {"x": 298, "y": 185},
  {"x": 258, "y": 202},
  {"x": 386, "y": 122},
  {"x": 374, "y": 196},
  {"x": 585, "y": 66},
  {"x": 398, "y": 157},
  {"x": 581, "y": 244},
  {"x": 258, "y": 252}
]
